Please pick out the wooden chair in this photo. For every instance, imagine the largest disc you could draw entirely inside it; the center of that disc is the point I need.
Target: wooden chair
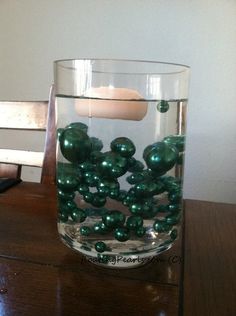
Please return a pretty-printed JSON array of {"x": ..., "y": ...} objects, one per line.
[{"x": 38, "y": 115}]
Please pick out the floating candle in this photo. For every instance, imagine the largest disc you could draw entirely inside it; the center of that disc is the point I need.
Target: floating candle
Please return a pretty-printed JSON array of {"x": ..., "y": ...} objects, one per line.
[{"x": 113, "y": 103}]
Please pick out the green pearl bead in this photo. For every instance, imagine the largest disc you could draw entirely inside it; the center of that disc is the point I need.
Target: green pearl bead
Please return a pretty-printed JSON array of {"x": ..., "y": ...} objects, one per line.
[
  {"x": 135, "y": 166},
  {"x": 174, "y": 208},
  {"x": 112, "y": 165},
  {"x": 75, "y": 145},
  {"x": 162, "y": 157},
  {"x": 174, "y": 234},
  {"x": 100, "y": 228},
  {"x": 124, "y": 146},
  {"x": 67, "y": 182},
  {"x": 163, "y": 208},
  {"x": 171, "y": 183},
  {"x": 177, "y": 140},
  {"x": 78, "y": 215},
  {"x": 135, "y": 178},
  {"x": 113, "y": 219},
  {"x": 98, "y": 200},
  {"x": 59, "y": 132},
  {"x": 86, "y": 166},
  {"x": 91, "y": 178},
  {"x": 63, "y": 217},
  {"x": 96, "y": 157},
  {"x": 88, "y": 197},
  {"x": 136, "y": 208},
  {"x": 122, "y": 234},
  {"x": 78, "y": 125},
  {"x": 103, "y": 258},
  {"x": 140, "y": 231},
  {"x": 108, "y": 185},
  {"x": 130, "y": 197},
  {"x": 163, "y": 106},
  {"x": 114, "y": 193},
  {"x": 97, "y": 144},
  {"x": 83, "y": 188},
  {"x": 122, "y": 195},
  {"x": 64, "y": 196},
  {"x": 100, "y": 246},
  {"x": 148, "y": 189},
  {"x": 180, "y": 159},
  {"x": 175, "y": 196},
  {"x": 173, "y": 219},
  {"x": 133, "y": 222},
  {"x": 85, "y": 230},
  {"x": 161, "y": 226}
]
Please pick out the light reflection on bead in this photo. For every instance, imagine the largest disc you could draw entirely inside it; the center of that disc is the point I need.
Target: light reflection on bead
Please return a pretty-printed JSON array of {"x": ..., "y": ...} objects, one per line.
[{"x": 122, "y": 234}]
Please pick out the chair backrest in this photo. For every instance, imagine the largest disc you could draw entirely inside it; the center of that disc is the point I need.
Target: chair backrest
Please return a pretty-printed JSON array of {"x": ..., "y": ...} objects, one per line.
[{"x": 37, "y": 115}]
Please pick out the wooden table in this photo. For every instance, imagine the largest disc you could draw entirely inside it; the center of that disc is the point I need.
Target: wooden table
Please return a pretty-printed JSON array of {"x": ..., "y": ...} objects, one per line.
[{"x": 41, "y": 276}]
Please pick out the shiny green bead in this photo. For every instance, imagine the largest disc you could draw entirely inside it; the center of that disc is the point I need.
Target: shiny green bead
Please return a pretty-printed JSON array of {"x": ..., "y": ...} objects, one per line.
[
  {"x": 149, "y": 212},
  {"x": 96, "y": 157},
  {"x": 163, "y": 106},
  {"x": 136, "y": 208},
  {"x": 88, "y": 197},
  {"x": 171, "y": 183},
  {"x": 78, "y": 125},
  {"x": 100, "y": 246},
  {"x": 114, "y": 193},
  {"x": 174, "y": 208},
  {"x": 113, "y": 219},
  {"x": 122, "y": 195},
  {"x": 86, "y": 166},
  {"x": 162, "y": 157},
  {"x": 130, "y": 198},
  {"x": 112, "y": 165},
  {"x": 133, "y": 222},
  {"x": 108, "y": 184},
  {"x": 180, "y": 159},
  {"x": 83, "y": 188},
  {"x": 122, "y": 234},
  {"x": 71, "y": 204},
  {"x": 78, "y": 215},
  {"x": 67, "y": 182},
  {"x": 140, "y": 231},
  {"x": 173, "y": 219},
  {"x": 75, "y": 145},
  {"x": 97, "y": 144},
  {"x": 163, "y": 208},
  {"x": 85, "y": 230},
  {"x": 91, "y": 178},
  {"x": 124, "y": 146},
  {"x": 64, "y": 196},
  {"x": 175, "y": 196},
  {"x": 161, "y": 226},
  {"x": 68, "y": 169},
  {"x": 176, "y": 140},
  {"x": 174, "y": 234},
  {"x": 104, "y": 259},
  {"x": 135, "y": 165},
  {"x": 63, "y": 217},
  {"x": 148, "y": 189},
  {"x": 135, "y": 178},
  {"x": 59, "y": 132},
  {"x": 100, "y": 228},
  {"x": 98, "y": 200}
]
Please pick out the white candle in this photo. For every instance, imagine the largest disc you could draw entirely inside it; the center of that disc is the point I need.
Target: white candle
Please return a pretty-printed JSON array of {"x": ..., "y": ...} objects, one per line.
[{"x": 120, "y": 108}]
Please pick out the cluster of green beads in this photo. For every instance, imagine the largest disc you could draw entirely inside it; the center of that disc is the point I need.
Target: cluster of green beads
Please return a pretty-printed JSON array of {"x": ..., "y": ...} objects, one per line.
[{"x": 89, "y": 167}]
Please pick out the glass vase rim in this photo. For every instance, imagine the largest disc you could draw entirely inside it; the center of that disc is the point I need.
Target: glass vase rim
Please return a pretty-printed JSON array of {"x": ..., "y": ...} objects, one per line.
[{"x": 183, "y": 67}]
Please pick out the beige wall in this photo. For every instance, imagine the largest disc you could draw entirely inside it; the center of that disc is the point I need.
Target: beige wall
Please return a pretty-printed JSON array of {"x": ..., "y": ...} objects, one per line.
[{"x": 200, "y": 33}]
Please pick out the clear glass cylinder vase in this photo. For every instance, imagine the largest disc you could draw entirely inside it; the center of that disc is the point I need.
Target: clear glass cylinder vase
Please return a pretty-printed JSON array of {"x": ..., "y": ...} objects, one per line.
[{"x": 120, "y": 156}]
